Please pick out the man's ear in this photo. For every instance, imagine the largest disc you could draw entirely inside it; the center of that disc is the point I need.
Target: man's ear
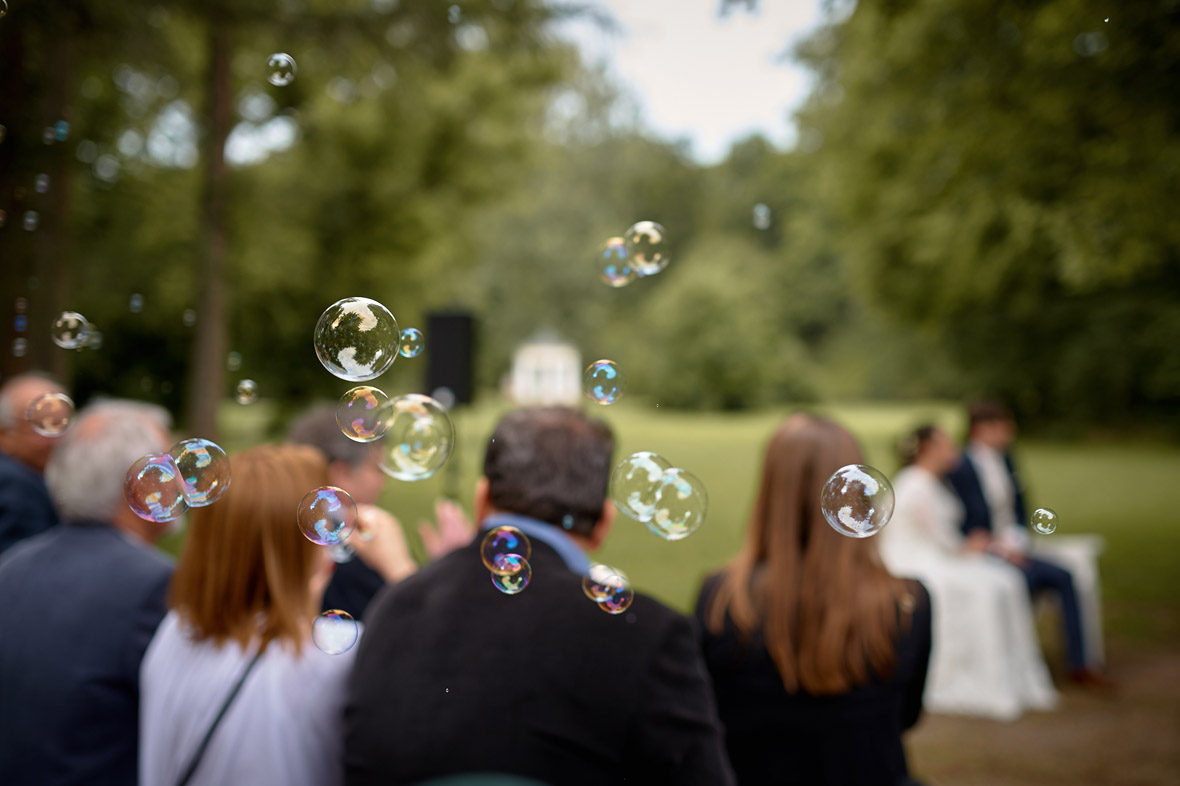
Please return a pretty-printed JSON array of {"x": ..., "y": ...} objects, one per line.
[
  {"x": 598, "y": 535},
  {"x": 482, "y": 504}
]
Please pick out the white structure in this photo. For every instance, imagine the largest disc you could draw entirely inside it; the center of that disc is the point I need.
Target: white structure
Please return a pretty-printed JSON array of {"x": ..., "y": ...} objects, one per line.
[{"x": 546, "y": 370}]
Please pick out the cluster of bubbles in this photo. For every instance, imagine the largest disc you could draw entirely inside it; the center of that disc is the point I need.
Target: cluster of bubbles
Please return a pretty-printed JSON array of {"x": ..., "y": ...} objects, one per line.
[
  {"x": 603, "y": 382},
  {"x": 327, "y": 515},
  {"x": 162, "y": 486},
  {"x": 857, "y": 501},
  {"x": 1044, "y": 521},
  {"x": 505, "y": 552},
  {"x": 280, "y": 69},
  {"x": 334, "y": 632},
  {"x": 641, "y": 251},
  {"x": 246, "y": 392},
  {"x": 670, "y": 501},
  {"x": 49, "y": 414},
  {"x": 609, "y": 588}
]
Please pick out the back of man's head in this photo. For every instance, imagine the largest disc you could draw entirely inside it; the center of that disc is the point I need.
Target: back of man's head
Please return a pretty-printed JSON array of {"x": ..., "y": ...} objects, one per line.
[
  {"x": 17, "y": 437},
  {"x": 551, "y": 464},
  {"x": 318, "y": 427},
  {"x": 85, "y": 475}
]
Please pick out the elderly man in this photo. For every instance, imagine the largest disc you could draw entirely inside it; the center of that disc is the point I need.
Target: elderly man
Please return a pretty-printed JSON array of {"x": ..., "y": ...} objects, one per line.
[
  {"x": 81, "y": 603},
  {"x": 25, "y": 509}
]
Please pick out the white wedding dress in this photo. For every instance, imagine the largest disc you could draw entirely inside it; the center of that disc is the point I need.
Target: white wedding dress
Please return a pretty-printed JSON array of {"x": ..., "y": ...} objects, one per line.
[{"x": 985, "y": 658}]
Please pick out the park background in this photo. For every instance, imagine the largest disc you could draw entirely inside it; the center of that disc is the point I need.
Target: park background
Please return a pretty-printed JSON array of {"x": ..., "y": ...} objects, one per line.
[{"x": 979, "y": 198}]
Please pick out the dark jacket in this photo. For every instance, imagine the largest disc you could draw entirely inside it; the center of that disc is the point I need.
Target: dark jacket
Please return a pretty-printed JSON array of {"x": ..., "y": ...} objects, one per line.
[
  {"x": 80, "y": 604},
  {"x": 25, "y": 508},
  {"x": 964, "y": 479},
  {"x": 454, "y": 677}
]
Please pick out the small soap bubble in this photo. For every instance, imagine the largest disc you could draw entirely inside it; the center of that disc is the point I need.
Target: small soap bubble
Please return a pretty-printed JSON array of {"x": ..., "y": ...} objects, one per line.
[
  {"x": 761, "y": 216},
  {"x": 189, "y": 317},
  {"x": 360, "y": 415},
  {"x": 613, "y": 267},
  {"x": 857, "y": 501},
  {"x": 327, "y": 515},
  {"x": 603, "y": 382},
  {"x": 280, "y": 69},
  {"x": 20, "y": 346},
  {"x": 454, "y": 14},
  {"x": 135, "y": 304},
  {"x": 153, "y": 488},
  {"x": 647, "y": 248},
  {"x": 600, "y": 581},
  {"x": 412, "y": 343},
  {"x": 618, "y": 597},
  {"x": 680, "y": 505},
  {"x": 61, "y": 130},
  {"x": 41, "y": 183},
  {"x": 49, "y": 135},
  {"x": 20, "y": 323},
  {"x": 204, "y": 470},
  {"x": 513, "y": 573},
  {"x": 70, "y": 330},
  {"x": 500, "y": 541},
  {"x": 419, "y": 437},
  {"x": 334, "y": 632},
  {"x": 21, "y": 305},
  {"x": 30, "y": 220},
  {"x": 233, "y": 361},
  {"x": 357, "y": 339},
  {"x": 1044, "y": 521},
  {"x": 246, "y": 392},
  {"x": 635, "y": 482},
  {"x": 50, "y": 413},
  {"x": 341, "y": 553}
]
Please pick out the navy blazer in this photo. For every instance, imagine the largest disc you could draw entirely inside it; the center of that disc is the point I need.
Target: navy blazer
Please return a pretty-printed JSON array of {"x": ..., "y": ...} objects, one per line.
[
  {"x": 25, "y": 508},
  {"x": 964, "y": 479},
  {"x": 80, "y": 604}
]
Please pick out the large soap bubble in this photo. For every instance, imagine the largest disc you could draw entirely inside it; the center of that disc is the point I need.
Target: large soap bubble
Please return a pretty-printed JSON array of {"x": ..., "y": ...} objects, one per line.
[
  {"x": 153, "y": 488},
  {"x": 419, "y": 437},
  {"x": 334, "y": 632},
  {"x": 49, "y": 414},
  {"x": 857, "y": 501},
  {"x": 357, "y": 339},
  {"x": 327, "y": 515},
  {"x": 680, "y": 505},
  {"x": 647, "y": 248},
  {"x": 204, "y": 470},
  {"x": 635, "y": 483},
  {"x": 360, "y": 415},
  {"x": 70, "y": 330}
]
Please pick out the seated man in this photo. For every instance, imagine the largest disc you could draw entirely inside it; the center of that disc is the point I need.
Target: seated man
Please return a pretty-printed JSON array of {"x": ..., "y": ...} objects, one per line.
[
  {"x": 25, "y": 509},
  {"x": 81, "y": 603},
  {"x": 986, "y": 482},
  {"x": 454, "y": 677}
]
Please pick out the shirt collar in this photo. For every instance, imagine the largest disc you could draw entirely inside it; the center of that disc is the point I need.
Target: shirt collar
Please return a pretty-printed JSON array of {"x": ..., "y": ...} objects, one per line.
[{"x": 570, "y": 552}]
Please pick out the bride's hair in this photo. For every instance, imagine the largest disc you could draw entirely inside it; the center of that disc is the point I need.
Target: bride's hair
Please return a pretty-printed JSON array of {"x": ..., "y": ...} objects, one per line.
[{"x": 910, "y": 446}]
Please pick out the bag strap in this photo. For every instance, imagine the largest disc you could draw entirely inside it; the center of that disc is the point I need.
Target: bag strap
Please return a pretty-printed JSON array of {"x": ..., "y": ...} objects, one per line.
[{"x": 233, "y": 694}]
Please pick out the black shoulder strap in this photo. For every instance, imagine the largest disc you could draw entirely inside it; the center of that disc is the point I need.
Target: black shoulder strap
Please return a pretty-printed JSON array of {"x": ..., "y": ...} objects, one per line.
[{"x": 233, "y": 694}]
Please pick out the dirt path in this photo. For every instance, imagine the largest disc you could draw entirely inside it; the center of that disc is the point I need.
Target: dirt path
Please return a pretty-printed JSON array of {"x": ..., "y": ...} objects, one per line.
[{"x": 1130, "y": 737}]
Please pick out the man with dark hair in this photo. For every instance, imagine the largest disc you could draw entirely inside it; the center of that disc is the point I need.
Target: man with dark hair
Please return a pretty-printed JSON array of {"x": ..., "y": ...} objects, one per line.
[
  {"x": 454, "y": 677},
  {"x": 993, "y": 499}
]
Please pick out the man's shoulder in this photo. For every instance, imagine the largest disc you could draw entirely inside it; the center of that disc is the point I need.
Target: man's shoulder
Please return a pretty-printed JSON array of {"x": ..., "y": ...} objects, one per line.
[{"x": 96, "y": 551}]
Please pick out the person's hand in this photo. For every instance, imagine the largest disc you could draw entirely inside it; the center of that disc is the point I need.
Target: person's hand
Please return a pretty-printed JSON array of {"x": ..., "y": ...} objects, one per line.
[
  {"x": 381, "y": 544},
  {"x": 453, "y": 531},
  {"x": 977, "y": 542}
]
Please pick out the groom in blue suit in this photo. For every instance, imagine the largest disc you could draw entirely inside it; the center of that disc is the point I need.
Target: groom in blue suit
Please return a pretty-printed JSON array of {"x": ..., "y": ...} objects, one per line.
[{"x": 986, "y": 482}]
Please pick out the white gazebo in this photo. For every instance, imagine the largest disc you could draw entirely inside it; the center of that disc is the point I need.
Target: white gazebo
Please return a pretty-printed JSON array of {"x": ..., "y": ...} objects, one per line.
[{"x": 546, "y": 370}]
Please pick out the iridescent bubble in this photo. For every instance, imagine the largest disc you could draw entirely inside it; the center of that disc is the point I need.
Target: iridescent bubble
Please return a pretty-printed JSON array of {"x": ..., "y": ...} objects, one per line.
[
  {"x": 412, "y": 343},
  {"x": 153, "y": 488},
  {"x": 600, "y": 581},
  {"x": 20, "y": 323},
  {"x": 334, "y": 632},
  {"x": 30, "y": 220},
  {"x": 761, "y": 216},
  {"x": 634, "y": 485},
  {"x": 419, "y": 437},
  {"x": 454, "y": 14},
  {"x": 503, "y": 540},
  {"x": 50, "y": 414},
  {"x": 204, "y": 470},
  {"x": 617, "y": 596},
  {"x": 70, "y": 330},
  {"x": 513, "y": 573},
  {"x": 233, "y": 361},
  {"x": 1044, "y": 521},
  {"x": 680, "y": 505},
  {"x": 246, "y": 392},
  {"x": 327, "y": 515},
  {"x": 360, "y": 415},
  {"x": 357, "y": 339},
  {"x": 280, "y": 69},
  {"x": 136, "y": 303},
  {"x": 603, "y": 382},
  {"x": 49, "y": 135},
  {"x": 647, "y": 248},
  {"x": 189, "y": 317},
  {"x": 613, "y": 267},
  {"x": 41, "y": 183},
  {"x": 61, "y": 130},
  {"x": 857, "y": 501},
  {"x": 20, "y": 346}
]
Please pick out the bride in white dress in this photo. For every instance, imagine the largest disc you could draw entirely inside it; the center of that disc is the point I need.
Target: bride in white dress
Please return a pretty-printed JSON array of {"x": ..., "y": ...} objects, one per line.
[{"x": 986, "y": 659}]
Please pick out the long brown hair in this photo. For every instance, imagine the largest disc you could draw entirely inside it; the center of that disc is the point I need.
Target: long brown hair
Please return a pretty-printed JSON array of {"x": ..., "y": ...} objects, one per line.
[
  {"x": 246, "y": 568},
  {"x": 825, "y": 604}
]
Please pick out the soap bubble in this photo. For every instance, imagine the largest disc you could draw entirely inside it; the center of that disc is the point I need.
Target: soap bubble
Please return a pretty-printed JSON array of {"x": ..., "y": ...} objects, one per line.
[
  {"x": 50, "y": 413},
  {"x": 153, "y": 488},
  {"x": 599, "y": 581},
  {"x": 204, "y": 470},
  {"x": 359, "y": 413},
  {"x": 412, "y": 343},
  {"x": 20, "y": 346},
  {"x": 70, "y": 330},
  {"x": 647, "y": 248},
  {"x": 603, "y": 382},
  {"x": 613, "y": 267},
  {"x": 857, "y": 501},
  {"x": 246, "y": 392},
  {"x": 1044, "y": 521},
  {"x": 189, "y": 318},
  {"x": 419, "y": 437},
  {"x": 233, "y": 361},
  {"x": 30, "y": 220},
  {"x": 327, "y": 515},
  {"x": 280, "y": 69},
  {"x": 512, "y": 574},
  {"x": 41, "y": 183},
  {"x": 761, "y": 216},
  {"x": 136, "y": 303},
  {"x": 680, "y": 505},
  {"x": 500, "y": 541},
  {"x": 334, "y": 632},
  {"x": 357, "y": 339},
  {"x": 634, "y": 485}
]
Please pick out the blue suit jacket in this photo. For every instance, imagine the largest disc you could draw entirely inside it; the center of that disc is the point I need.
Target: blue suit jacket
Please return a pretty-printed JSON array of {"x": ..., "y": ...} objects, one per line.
[
  {"x": 80, "y": 604},
  {"x": 25, "y": 509},
  {"x": 964, "y": 479}
]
